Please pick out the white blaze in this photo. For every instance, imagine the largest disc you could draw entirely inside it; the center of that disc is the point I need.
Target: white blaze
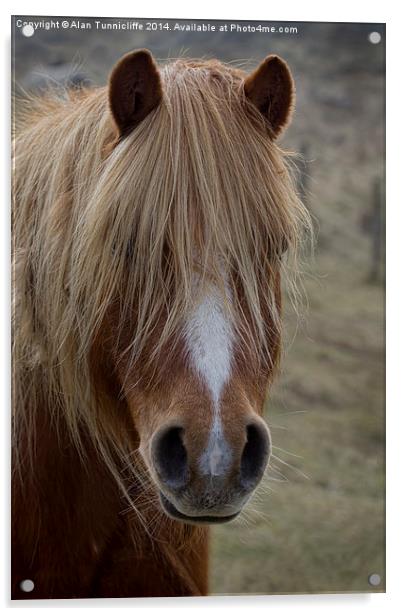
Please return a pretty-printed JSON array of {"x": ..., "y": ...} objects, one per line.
[{"x": 209, "y": 341}]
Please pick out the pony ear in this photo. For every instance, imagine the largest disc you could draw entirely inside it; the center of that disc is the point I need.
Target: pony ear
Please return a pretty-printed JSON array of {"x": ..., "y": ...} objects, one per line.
[
  {"x": 271, "y": 89},
  {"x": 135, "y": 89}
]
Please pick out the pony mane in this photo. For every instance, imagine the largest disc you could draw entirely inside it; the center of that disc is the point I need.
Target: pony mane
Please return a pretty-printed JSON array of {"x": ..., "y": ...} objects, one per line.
[{"x": 198, "y": 187}]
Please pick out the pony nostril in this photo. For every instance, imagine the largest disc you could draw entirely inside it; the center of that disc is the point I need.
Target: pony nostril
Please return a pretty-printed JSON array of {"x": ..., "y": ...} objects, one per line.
[
  {"x": 255, "y": 455},
  {"x": 170, "y": 457}
]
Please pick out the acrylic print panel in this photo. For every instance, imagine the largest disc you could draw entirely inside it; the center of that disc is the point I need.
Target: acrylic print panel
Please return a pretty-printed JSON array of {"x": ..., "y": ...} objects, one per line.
[{"x": 198, "y": 394}]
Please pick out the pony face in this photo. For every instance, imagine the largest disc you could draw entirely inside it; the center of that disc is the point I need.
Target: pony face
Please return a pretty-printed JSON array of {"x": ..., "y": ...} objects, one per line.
[
  {"x": 198, "y": 318},
  {"x": 198, "y": 410}
]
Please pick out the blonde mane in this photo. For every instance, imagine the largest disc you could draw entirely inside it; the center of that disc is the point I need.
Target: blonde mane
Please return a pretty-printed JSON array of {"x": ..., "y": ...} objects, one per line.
[{"x": 199, "y": 186}]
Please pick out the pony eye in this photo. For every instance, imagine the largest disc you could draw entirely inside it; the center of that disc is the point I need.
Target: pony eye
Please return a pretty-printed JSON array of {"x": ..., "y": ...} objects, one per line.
[
  {"x": 279, "y": 250},
  {"x": 284, "y": 246},
  {"x": 127, "y": 248}
]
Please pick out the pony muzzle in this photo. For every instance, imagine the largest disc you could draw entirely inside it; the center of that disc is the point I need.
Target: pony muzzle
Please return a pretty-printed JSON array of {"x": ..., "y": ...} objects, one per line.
[{"x": 212, "y": 487}]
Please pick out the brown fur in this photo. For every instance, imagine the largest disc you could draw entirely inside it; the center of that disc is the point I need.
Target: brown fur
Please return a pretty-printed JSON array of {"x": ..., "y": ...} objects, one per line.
[
  {"x": 271, "y": 88},
  {"x": 134, "y": 90},
  {"x": 109, "y": 229}
]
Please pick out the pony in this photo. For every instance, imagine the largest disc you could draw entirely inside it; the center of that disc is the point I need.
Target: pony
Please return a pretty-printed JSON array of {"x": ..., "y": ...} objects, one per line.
[{"x": 152, "y": 219}]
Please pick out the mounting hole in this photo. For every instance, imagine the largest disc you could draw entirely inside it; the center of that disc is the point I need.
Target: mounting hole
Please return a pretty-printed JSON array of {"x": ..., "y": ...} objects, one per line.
[
  {"x": 374, "y": 579},
  {"x": 28, "y": 30},
  {"x": 27, "y": 585},
  {"x": 375, "y": 38}
]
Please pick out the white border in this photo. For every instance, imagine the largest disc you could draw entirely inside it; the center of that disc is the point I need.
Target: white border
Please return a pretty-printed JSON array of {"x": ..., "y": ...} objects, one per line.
[{"x": 291, "y": 10}]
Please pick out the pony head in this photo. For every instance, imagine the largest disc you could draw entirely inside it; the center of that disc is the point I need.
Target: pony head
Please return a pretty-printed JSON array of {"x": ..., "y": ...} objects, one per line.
[
  {"x": 212, "y": 204},
  {"x": 173, "y": 220}
]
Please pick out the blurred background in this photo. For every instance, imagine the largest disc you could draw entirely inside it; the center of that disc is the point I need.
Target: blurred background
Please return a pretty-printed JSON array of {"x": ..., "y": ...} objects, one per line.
[{"x": 317, "y": 523}]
